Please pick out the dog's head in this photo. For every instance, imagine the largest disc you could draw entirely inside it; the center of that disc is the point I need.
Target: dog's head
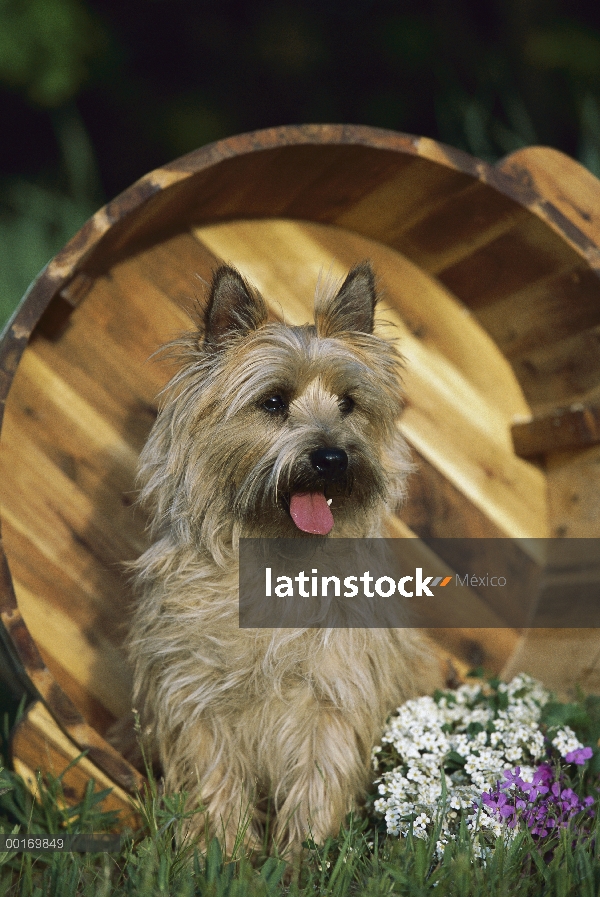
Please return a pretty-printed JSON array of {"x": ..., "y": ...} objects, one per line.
[{"x": 276, "y": 430}]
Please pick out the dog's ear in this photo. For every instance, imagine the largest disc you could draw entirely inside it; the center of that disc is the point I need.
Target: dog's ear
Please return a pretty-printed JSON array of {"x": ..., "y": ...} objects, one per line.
[
  {"x": 233, "y": 308},
  {"x": 352, "y": 307}
]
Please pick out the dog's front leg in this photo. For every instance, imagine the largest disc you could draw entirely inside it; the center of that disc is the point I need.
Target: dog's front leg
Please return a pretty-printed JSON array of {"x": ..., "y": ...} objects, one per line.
[
  {"x": 221, "y": 791},
  {"x": 322, "y": 770}
]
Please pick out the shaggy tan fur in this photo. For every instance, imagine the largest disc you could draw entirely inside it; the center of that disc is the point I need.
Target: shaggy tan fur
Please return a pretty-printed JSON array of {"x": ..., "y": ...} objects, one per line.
[{"x": 238, "y": 715}]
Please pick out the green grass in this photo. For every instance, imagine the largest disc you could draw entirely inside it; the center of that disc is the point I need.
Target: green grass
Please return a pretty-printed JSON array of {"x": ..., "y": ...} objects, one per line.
[{"x": 361, "y": 861}]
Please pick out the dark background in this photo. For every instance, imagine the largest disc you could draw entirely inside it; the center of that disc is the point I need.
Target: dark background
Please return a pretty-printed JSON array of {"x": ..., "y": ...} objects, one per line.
[{"x": 95, "y": 94}]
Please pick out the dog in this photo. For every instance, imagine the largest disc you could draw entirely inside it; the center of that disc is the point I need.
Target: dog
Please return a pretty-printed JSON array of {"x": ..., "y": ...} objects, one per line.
[{"x": 273, "y": 431}]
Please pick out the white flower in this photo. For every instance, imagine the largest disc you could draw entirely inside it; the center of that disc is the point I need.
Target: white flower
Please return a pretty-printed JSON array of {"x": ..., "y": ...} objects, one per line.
[
  {"x": 425, "y": 731},
  {"x": 566, "y": 741},
  {"x": 513, "y": 754}
]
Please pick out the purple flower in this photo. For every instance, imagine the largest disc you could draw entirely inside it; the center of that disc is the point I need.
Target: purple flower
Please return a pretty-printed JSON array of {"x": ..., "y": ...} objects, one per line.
[
  {"x": 579, "y": 756},
  {"x": 543, "y": 804},
  {"x": 544, "y": 773},
  {"x": 512, "y": 778}
]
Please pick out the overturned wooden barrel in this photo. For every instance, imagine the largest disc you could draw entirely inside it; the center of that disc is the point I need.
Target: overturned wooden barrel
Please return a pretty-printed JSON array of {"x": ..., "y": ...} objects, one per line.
[{"x": 490, "y": 275}]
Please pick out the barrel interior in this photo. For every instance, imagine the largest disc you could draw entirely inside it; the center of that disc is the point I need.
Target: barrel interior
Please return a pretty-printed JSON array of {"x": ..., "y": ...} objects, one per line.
[{"x": 496, "y": 314}]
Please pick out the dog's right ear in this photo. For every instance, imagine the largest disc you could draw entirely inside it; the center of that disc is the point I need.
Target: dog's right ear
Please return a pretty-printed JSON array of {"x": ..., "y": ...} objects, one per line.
[{"x": 233, "y": 309}]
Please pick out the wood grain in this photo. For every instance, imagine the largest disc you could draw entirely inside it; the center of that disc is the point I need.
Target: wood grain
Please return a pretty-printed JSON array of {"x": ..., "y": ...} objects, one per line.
[
  {"x": 574, "y": 426},
  {"x": 37, "y": 736}
]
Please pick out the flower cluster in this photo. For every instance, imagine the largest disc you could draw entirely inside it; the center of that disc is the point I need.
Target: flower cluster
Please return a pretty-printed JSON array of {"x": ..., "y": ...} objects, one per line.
[
  {"x": 443, "y": 758},
  {"x": 543, "y": 805},
  {"x": 569, "y": 747}
]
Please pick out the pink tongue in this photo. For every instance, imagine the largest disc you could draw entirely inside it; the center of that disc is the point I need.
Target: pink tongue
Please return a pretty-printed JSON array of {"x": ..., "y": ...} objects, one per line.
[{"x": 311, "y": 513}]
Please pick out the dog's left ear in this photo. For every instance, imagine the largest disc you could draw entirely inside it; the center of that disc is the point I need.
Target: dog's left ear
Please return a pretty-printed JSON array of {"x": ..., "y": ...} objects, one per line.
[
  {"x": 352, "y": 308},
  {"x": 233, "y": 308}
]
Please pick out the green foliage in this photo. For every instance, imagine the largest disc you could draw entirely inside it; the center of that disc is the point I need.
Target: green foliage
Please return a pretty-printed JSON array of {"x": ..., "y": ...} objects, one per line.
[
  {"x": 569, "y": 46},
  {"x": 45, "y": 46},
  {"x": 35, "y": 222},
  {"x": 583, "y": 716},
  {"x": 36, "y": 219}
]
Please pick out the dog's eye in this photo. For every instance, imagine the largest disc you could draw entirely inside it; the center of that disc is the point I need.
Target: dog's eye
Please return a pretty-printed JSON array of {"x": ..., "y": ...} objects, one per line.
[
  {"x": 346, "y": 404},
  {"x": 274, "y": 404}
]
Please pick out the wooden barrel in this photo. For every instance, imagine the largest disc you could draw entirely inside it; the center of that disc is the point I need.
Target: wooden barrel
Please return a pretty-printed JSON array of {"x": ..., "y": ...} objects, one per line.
[{"x": 490, "y": 275}]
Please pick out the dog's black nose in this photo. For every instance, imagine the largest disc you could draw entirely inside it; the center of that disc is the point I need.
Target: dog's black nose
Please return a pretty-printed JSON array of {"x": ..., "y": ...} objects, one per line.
[{"x": 329, "y": 463}]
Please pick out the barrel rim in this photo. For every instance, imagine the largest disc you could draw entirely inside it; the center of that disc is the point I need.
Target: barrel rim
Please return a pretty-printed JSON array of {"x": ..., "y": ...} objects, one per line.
[{"x": 63, "y": 266}]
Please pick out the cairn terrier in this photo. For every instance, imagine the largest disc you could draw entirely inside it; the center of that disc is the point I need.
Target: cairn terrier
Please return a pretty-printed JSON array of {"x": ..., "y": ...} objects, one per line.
[{"x": 272, "y": 431}]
